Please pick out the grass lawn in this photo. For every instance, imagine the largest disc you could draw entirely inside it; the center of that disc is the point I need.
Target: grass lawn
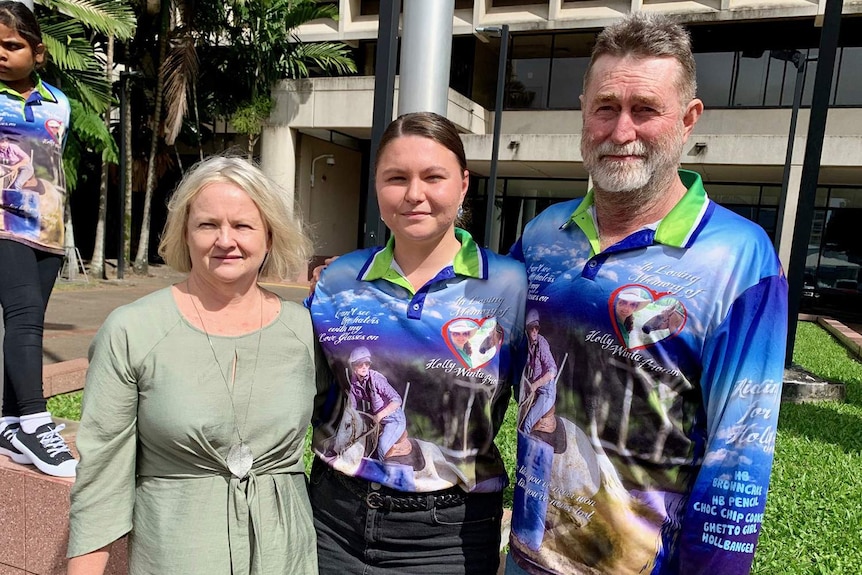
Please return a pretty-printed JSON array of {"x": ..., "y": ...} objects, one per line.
[{"x": 813, "y": 515}]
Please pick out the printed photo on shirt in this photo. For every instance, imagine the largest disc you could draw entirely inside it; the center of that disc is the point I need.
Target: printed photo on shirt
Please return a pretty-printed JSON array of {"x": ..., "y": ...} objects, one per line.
[
  {"x": 30, "y": 203},
  {"x": 641, "y": 317}
]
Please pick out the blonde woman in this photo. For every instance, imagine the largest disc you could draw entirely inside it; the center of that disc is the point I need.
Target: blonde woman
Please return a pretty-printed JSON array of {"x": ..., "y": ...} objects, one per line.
[{"x": 198, "y": 397}]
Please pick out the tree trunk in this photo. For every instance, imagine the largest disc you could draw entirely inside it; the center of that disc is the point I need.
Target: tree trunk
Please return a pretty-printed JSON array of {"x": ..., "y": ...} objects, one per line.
[
  {"x": 127, "y": 185},
  {"x": 97, "y": 261},
  {"x": 142, "y": 258},
  {"x": 198, "y": 122},
  {"x": 252, "y": 140},
  {"x": 71, "y": 262}
]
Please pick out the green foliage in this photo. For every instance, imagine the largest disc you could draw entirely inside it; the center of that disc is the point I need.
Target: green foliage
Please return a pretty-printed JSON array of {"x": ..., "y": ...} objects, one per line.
[
  {"x": 110, "y": 17},
  {"x": 91, "y": 132},
  {"x": 813, "y": 515},
  {"x": 330, "y": 56},
  {"x": 823, "y": 355},
  {"x": 74, "y": 66},
  {"x": 254, "y": 45},
  {"x": 250, "y": 116},
  {"x": 67, "y": 406}
]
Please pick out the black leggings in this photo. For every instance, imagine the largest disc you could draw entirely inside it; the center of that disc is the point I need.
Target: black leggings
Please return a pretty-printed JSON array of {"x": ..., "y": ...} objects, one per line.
[{"x": 26, "y": 279}]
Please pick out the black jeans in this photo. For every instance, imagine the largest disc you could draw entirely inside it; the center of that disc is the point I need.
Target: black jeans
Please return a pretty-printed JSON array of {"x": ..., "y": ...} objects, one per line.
[
  {"x": 27, "y": 277},
  {"x": 354, "y": 539}
]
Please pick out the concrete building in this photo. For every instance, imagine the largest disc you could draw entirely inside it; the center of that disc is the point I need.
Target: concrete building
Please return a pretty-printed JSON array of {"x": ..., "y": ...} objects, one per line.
[{"x": 744, "y": 78}]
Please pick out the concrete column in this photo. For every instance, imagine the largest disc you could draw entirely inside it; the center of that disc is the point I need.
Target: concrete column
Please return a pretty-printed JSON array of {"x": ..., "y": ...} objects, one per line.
[
  {"x": 426, "y": 51},
  {"x": 278, "y": 158},
  {"x": 785, "y": 240}
]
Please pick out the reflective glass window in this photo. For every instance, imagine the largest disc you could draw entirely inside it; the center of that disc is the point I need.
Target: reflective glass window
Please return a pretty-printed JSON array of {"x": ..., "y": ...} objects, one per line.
[
  {"x": 810, "y": 72},
  {"x": 751, "y": 80},
  {"x": 845, "y": 198},
  {"x": 714, "y": 78},
  {"x": 529, "y": 72},
  {"x": 770, "y": 195},
  {"x": 731, "y": 194},
  {"x": 767, "y": 217},
  {"x": 557, "y": 189},
  {"x": 570, "y": 59},
  {"x": 775, "y": 81},
  {"x": 790, "y": 77},
  {"x": 747, "y": 212},
  {"x": 849, "y": 85},
  {"x": 821, "y": 197},
  {"x": 841, "y": 256}
]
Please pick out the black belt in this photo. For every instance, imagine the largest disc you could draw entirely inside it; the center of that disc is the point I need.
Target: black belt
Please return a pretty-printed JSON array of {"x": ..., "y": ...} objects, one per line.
[{"x": 393, "y": 500}]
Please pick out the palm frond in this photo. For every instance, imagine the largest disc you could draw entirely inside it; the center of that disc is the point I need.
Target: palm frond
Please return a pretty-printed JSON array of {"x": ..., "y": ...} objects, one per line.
[
  {"x": 91, "y": 130},
  {"x": 106, "y": 16},
  {"x": 88, "y": 86},
  {"x": 296, "y": 14},
  {"x": 331, "y": 57},
  {"x": 180, "y": 72},
  {"x": 71, "y": 161},
  {"x": 70, "y": 53}
]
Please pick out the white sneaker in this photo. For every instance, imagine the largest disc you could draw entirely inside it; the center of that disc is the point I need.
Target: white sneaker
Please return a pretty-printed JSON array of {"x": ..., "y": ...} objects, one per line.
[
  {"x": 6, "y": 447},
  {"x": 47, "y": 450}
]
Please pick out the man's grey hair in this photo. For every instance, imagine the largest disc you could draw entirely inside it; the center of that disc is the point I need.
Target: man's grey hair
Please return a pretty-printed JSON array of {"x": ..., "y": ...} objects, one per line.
[{"x": 644, "y": 35}]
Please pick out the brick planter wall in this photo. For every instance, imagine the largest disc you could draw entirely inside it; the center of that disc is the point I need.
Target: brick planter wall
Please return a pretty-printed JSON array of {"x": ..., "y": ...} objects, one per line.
[{"x": 34, "y": 507}]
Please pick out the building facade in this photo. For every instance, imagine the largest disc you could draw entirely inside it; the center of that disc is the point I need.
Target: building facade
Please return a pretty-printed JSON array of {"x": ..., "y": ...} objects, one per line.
[{"x": 746, "y": 73}]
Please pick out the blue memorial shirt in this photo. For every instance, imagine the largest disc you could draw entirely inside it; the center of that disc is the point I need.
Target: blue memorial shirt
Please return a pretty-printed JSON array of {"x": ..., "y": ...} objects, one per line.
[
  {"x": 33, "y": 189},
  {"x": 656, "y": 455},
  {"x": 448, "y": 349}
]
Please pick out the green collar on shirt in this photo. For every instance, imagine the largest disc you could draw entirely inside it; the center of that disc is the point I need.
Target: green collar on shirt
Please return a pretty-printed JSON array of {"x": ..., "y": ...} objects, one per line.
[
  {"x": 40, "y": 87},
  {"x": 468, "y": 262},
  {"x": 674, "y": 229}
]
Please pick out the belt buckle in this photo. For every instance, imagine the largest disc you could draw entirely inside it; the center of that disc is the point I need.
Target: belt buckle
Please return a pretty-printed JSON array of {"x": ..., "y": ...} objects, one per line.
[{"x": 374, "y": 500}]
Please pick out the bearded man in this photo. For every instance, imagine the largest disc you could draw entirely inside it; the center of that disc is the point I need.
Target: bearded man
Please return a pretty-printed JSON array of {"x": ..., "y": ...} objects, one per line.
[{"x": 673, "y": 438}]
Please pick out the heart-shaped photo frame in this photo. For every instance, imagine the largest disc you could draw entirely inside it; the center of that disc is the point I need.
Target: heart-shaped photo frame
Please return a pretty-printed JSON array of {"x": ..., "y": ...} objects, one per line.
[
  {"x": 474, "y": 343},
  {"x": 642, "y": 317}
]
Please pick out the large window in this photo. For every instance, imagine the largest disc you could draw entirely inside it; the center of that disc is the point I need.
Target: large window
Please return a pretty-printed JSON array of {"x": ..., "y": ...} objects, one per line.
[
  {"x": 568, "y": 66},
  {"x": 516, "y": 202},
  {"x": 758, "y": 203},
  {"x": 529, "y": 72},
  {"x": 833, "y": 266},
  {"x": 546, "y": 71}
]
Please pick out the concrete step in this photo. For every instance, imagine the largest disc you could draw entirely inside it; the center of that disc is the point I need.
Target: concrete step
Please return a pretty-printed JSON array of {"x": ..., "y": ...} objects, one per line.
[{"x": 34, "y": 520}]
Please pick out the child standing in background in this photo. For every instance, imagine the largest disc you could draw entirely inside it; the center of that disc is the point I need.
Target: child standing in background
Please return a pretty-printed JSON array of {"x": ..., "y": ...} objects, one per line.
[{"x": 34, "y": 117}]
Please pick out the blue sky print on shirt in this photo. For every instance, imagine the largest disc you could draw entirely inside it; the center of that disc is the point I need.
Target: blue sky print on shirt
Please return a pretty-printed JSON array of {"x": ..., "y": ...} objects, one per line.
[{"x": 441, "y": 356}]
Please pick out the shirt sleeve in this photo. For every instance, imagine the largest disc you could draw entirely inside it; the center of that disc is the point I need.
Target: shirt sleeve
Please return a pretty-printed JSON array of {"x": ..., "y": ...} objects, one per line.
[
  {"x": 741, "y": 382},
  {"x": 384, "y": 390},
  {"x": 103, "y": 497},
  {"x": 547, "y": 359}
]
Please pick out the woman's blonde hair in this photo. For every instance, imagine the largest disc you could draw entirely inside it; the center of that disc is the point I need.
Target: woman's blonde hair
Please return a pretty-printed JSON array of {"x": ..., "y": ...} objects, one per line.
[{"x": 290, "y": 248}]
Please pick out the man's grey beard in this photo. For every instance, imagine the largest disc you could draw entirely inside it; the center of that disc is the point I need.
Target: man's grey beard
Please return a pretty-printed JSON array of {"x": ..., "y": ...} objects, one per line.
[{"x": 631, "y": 176}]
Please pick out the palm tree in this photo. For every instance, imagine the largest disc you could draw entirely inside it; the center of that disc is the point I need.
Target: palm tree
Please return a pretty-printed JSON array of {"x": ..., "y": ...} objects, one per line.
[
  {"x": 68, "y": 28},
  {"x": 249, "y": 45},
  {"x": 263, "y": 48},
  {"x": 97, "y": 260}
]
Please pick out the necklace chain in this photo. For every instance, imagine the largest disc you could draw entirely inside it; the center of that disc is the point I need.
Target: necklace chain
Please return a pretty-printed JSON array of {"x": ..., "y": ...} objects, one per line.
[{"x": 239, "y": 455}]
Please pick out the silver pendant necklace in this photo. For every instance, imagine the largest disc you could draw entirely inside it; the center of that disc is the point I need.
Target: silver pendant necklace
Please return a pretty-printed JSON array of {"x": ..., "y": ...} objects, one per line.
[{"x": 239, "y": 458}]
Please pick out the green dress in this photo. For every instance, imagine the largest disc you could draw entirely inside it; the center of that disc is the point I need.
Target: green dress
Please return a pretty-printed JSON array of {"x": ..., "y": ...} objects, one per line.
[{"x": 157, "y": 426}]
